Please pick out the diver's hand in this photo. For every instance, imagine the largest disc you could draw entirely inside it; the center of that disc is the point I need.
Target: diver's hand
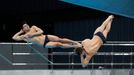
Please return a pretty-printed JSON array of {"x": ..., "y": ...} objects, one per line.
[
  {"x": 24, "y": 36},
  {"x": 28, "y": 35},
  {"x": 21, "y": 31},
  {"x": 84, "y": 64}
]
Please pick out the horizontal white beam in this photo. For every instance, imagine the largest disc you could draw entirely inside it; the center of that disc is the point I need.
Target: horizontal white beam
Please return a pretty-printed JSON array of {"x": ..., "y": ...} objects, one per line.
[
  {"x": 72, "y": 64},
  {"x": 113, "y": 42},
  {"x": 15, "y": 43},
  {"x": 109, "y": 43},
  {"x": 70, "y": 53}
]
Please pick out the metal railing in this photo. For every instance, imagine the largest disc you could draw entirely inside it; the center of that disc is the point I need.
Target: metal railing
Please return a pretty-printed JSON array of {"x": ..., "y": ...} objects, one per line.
[{"x": 109, "y": 43}]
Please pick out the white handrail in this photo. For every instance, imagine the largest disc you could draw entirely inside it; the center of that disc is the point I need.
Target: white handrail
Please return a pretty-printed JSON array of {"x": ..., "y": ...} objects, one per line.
[
  {"x": 72, "y": 64},
  {"x": 70, "y": 53},
  {"x": 108, "y": 42}
]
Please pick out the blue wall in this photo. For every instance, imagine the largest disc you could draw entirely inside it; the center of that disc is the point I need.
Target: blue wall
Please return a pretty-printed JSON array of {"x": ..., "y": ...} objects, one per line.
[{"x": 119, "y": 7}]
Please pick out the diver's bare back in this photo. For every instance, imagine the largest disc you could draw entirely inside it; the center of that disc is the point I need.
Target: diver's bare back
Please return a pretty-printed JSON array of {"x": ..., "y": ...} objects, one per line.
[
  {"x": 92, "y": 46},
  {"x": 38, "y": 38}
]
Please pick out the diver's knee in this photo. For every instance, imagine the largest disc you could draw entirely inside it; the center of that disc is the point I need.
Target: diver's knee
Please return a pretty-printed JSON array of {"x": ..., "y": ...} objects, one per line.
[
  {"x": 58, "y": 44},
  {"x": 59, "y": 39}
]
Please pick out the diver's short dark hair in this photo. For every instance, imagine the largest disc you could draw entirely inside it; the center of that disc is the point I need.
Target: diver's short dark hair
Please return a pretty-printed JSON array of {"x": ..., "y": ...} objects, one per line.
[{"x": 79, "y": 50}]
